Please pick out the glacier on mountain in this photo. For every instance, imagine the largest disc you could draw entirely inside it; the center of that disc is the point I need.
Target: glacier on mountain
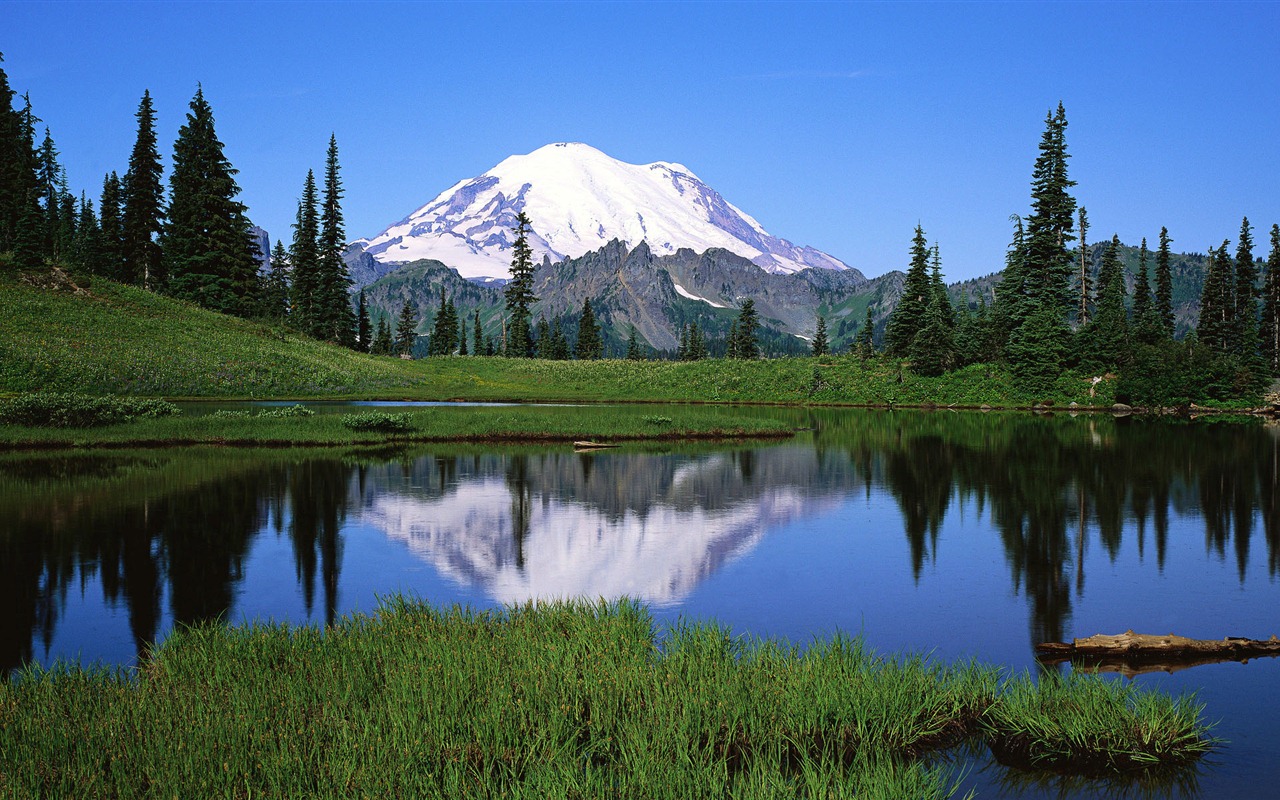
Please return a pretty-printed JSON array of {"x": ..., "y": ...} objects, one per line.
[{"x": 578, "y": 199}]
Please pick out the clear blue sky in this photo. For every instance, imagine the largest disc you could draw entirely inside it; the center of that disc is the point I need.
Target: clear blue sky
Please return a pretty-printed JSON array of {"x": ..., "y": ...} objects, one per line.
[{"x": 838, "y": 125}]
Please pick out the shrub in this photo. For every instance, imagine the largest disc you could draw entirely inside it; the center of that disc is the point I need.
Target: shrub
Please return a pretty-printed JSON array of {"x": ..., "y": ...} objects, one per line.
[
  {"x": 67, "y": 410},
  {"x": 653, "y": 419},
  {"x": 378, "y": 421},
  {"x": 285, "y": 412}
]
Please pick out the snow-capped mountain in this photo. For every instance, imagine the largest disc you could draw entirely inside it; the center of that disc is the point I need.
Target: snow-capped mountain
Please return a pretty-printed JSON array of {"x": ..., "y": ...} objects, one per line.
[{"x": 579, "y": 199}]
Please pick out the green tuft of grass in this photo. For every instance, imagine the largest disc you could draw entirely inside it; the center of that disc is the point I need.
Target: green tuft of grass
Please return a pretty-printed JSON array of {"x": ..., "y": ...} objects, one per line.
[{"x": 72, "y": 410}]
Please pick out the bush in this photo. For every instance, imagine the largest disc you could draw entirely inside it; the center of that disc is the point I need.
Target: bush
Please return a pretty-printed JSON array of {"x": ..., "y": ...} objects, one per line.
[
  {"x": 67, "y": 410},
  {"x": 653, "y": 419},
  {"x": 378, "y": 421},
  {"x": 285, "y": 412}
]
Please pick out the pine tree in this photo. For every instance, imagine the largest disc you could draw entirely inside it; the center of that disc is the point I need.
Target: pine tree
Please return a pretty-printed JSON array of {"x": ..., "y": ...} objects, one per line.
[
  {"x": 382, "y": 339},
  {"x": 17, "y": 175},
  {"x": 820, "y": 344},
  {"x": 1164, "y": 285},
  {"x": 1214, "y": 327},
  {"x": 462, "y": 338},
  {"x": 908, "y": 317},
  {"x": 273, "y": 293},
  {"x": 85, "y": 249},
  {"x": 1246, "y": 294},
  {"x": 28, "y": 239},
  {"x": 1271, "y": 305},
  {"x": 519, "y": 293},
  {"x": 443, "y": 332},
  {"x": 53, "y": 185},
  {"x": 304, "y": 258},
  {"x": 748, "y": 321},
  {"x": 143, "y": 204},
  {"x": 696, "y": 348},
  {"x": 111, "y": 231},
  {"x": 334, "y": 319},
  {"x": 1084, "y": 280},
  {"x": 932, "y": 350},
  {"x": 406, "y": 329},
  {"x": 866, "y": 344},
  {"x": 682, "y": 347},
  {"x": 477, "y": 343},
  {"x": 590, "y": 346},
  {"x": 633, "y": 346},
  {"x": 542, "y": 339},
  {"x": 210, "y": 254},
  {"x": 1105, "y": 339},
  {"x": 364, "y": 330},
  {"x": 1146, "y": 320}
]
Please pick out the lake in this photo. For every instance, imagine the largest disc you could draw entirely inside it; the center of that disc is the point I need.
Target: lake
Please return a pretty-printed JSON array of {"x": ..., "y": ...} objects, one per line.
[{"x": 963, "y": 535}]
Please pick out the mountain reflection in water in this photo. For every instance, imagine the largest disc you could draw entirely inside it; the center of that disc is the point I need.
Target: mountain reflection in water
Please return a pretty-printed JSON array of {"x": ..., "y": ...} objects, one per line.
[{"x": 168, "y": 535}]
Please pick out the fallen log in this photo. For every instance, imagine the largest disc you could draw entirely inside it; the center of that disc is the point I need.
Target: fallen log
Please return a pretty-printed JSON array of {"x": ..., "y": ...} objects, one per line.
[
  {"x": 591, "y": 445},
  {"x": 1132, "y": 653}
]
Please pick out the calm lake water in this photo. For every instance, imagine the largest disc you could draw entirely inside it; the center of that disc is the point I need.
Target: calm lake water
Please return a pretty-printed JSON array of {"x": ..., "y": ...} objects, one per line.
[{"x": 961, "y": 535}]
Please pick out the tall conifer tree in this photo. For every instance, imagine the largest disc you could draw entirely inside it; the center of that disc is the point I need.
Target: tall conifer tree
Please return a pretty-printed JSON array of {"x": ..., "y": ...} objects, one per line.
[
  {"x": 820, "y": 344},
  {"x": 17, "y": 176},
  {"x": 1271, "y": 305},
  {"x": 1084, "y": 280},
  {"x": 407, "y": 329},
  {"x": 143, "y": 203},
  {"x": 335, "y": 320},
  {"x": 908, "y": 317},
  {"x": 273, "y": 303},
  {"x": 1245, "y": 330},
  {"x": 364, "y": 331},
  {"x": 1146, "y": 320},
  {"x": 304, "y": 260},
  {"x": 1214, "y": 328},
  {"x": 590, "y": 345},
  {"x": 1164, "y": 284},
  {"x": 111, "y": 231},
  {"x": 519, "y": 293},
  {"x": 210, "y": 253}
]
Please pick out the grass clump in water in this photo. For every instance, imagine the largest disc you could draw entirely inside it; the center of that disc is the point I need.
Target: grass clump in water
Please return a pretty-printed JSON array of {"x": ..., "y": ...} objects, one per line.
[
  {"x": 70, "y": 410},
  {"x": 379, "y": 421},
  {"x": 563, "y": 700}
]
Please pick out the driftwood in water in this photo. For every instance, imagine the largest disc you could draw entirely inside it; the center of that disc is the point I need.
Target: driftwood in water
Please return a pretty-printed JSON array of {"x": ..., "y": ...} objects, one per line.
[
  {"x": 592, "y": 445},
  {"x": 1132, "y": 653}
]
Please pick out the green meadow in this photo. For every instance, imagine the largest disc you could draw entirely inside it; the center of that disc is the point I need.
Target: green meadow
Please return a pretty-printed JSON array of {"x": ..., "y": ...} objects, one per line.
[{"x": 556, "y": 700}]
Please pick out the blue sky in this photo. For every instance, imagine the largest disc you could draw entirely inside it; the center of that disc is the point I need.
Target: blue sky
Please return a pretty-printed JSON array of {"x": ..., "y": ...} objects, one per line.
[{"x": 837, "y": 125}]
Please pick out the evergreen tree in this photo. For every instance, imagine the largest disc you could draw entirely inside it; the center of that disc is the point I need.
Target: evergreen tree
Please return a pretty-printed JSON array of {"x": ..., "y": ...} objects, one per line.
[
  {"x": 1037, "y": 347},
  {"x": 748, "y": 321},
  {"x": 462, "y": 338},
  {"x": 210, "y": 254},
  {"x": 28, "y": 240},
  {"x": 820, "y": 345},
  {"x": 559, "y": 343},
  {"x": 633, "y": 346},
  {"x": 865, "y": 343},
  {"x": 908, "y": 317},
  {"x": 143, "y": 204},
  {"x": 590, "y": 345},
  {"x": 1216, "y": 303},
  {"x": 382, "y": 339},
  {"x": 85, "y": 250},
  {"x": 304, "y": 258},
  {"x": 111, "y": 231},
  {"x": 1012, "y": 296},
  {"x": 696, "y": 347},
  {"x": 1147, "y": 325},
  {"x": 1271, "y": 305},
  {"x": 364, "y": 330},
  {"x": 1105, "y": 341},
  {"x": 273, "y": 294},
  {"x": 682, "y": 348},
  {"x": 519, "y": 293},
  {"x": 1245, "y": 331},
  {"x": 932, "y": 350},
  {"x": 17, "y": 173},
  {"x": 1084, "y": 280},
  {"x": 406, "y": 329},
  {"x": 53, "y": 185},
  {"x": 444, "y": 334},
  {"x": 1164, "y": 285},
  {"x": 334, "y": 319},
  {"x": 542, "y": 339},
  {"x": 477, "y": 341}
]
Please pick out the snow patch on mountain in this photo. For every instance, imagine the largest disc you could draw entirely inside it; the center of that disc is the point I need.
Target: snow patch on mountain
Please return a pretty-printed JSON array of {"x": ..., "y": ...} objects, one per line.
[{"x": 578, "y": 199}]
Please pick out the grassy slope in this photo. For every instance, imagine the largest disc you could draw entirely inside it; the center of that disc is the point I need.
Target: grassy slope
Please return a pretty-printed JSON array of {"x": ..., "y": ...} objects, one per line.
[{"x": 126, "y": 341}]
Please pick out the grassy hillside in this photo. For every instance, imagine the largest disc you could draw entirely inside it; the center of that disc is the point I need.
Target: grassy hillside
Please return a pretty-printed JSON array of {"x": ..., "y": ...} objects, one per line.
[
  {"x": 112, "y": 338},
  {"x": 115, "y": 339}
]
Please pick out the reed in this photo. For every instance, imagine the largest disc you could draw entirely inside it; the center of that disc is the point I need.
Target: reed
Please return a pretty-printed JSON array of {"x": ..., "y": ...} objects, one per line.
[{"x": 567, "y": 699}]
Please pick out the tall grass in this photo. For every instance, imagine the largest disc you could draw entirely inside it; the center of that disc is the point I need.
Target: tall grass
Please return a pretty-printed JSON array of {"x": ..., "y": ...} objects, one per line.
[{"x": 559, "y": 700}]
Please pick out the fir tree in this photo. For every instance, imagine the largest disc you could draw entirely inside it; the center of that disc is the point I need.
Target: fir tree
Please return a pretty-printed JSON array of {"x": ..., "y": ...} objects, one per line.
[
  {"x": 559, "y": 343},
  {"x": 28, "y": 240},
  {"x": 542, "y": 339},
  {"x": 590, "y": 345},
  {"x": 444, "y": 334},
  {"x": 110, "y": 231},
  {"x": 1164, "y": 285},
  {"x": 210, "y": 254},
  {"x": 1084, "y": 282},
  {"x": 17, "y": 174},
  {"x": 143, "y": 204},
  {"x": 85, "y": 250},
  {"x": 1146, "y": 320},
  {"x": 477, "y": 342},
  {"x": 1271, "y": 305},
  {"x": 364, "y": 330},
  {"x": 1105, "y": 340},
  {"x": 519, "y": 293},
  {"x": 865, "y": 344},
  {"x": 304, "y": 258},
  {"x": 406, "y": 329},
  {"x": 1245, "y": 331},
  {"x": 382, "y": 339},
  {"x": 462, "y": 339},
  {"x": 53, "y": 185},
  {"x": 334, "y": 319},
  {"x": 633, "y": 346},
  {"x": 1216, "y": 303},
  {"x": 820, "y": 344},
  {"x": 744, "y": 344},
  {"x": 273, "y": 295},
  {"x": 696, "y": 345},
  {"x": 682, "y": 348},
  {"x": 932, "y": 350},
  {"x": 908, "y": 317}
]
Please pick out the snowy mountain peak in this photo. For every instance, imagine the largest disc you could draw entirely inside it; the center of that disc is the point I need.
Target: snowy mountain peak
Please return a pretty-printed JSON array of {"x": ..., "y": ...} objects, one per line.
[{"x": 579, "y": 199}]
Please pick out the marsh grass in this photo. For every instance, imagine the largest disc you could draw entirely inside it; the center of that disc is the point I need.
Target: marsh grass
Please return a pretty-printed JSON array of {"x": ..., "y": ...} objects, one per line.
[
  {"x": 556, "y": 700},
  {"x": 297, "y": 427}
]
